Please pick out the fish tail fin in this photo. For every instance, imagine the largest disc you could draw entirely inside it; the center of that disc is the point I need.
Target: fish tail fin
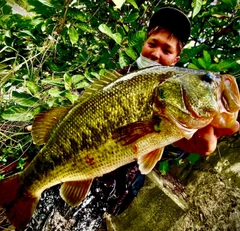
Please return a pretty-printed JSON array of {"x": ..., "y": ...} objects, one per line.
[{"x": 19, "y": 205}]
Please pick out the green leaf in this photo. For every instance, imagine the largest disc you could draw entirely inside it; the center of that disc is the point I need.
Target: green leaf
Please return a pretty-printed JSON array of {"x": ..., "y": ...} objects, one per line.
[
  {"x": 43, "y": 27},
  {"x": 224, "y": 65},
  {"x": 71, "y": 97},
  {"x": 133, "y": 3},
  {"x": 79, "y": 16},
  {"x": 7, "y": 34},
  {"x": 84, "y": 27},
  {"x": 27, "y": 32},
  {"x": 131, "y": 53},
  {"x": 54, "y": 92},
  {"x": 117, "y": 38},
  {"x": 193, "y": 66},
  {"x": 2, "y": 176},
  {"x": 197, "y": 4},
  {"x": 164, "y": 167},
  {"x": 33, "y": 87},
  {"x": 202, "y": 63},
  {"x": 67, "y": 81},
  {"x": 122, "y": 60},
  {"x": 37, "y": 21},
  {"x": 52, "y": 102},
  {"x": 24, "y": 99},
  {"x": 107, "y": 30},
  {"x": 2, "y": 3},
  {"x": 54, "y": 66},
  {"x": 193, "y": 158},
  {"x": 73, "y": 34},
  {"x": 7, "y": 9},
  {"x": 207, "y": 58},
  {"x": 55, "y": 82},
  {"x": 214, "y": 67},
  {"x": 18, "y": 113},
  {"x": 77, "y": 78},
  {"x": 21, "y": 163},
  {"x": 137, "y": 38},
  {"x": 230, "y": 3},
  {"x": 82, "y": 85},
  {"x": 132, "y": 17},
  {"x": 46, "y": 3},
  {"x": 95, "y": 74}
]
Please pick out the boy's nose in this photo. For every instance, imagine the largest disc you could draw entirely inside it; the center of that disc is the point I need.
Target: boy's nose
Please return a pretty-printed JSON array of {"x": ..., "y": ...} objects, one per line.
[{"x": 155, "y": 55}]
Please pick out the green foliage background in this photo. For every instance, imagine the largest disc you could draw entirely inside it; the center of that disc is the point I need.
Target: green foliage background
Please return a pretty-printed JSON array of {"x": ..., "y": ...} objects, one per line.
[{"x": 48, "y": 57}]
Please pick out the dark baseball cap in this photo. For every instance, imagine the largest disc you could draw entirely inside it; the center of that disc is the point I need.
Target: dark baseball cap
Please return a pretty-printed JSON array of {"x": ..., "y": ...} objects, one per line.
[{"x": 173, "y": 20}]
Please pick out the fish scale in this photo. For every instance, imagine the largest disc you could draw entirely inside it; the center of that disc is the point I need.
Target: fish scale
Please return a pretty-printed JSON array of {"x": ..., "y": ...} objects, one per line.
[{"x": 115, "y": 122}]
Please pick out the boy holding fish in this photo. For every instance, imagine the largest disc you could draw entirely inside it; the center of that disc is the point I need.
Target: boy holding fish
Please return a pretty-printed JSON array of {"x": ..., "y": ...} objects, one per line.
[{"x": 168, "y": 32}]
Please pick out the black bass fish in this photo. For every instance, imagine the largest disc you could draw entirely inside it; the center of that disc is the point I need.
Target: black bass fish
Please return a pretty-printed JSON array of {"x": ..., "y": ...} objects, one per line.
[{"x": 120, "y": 119}]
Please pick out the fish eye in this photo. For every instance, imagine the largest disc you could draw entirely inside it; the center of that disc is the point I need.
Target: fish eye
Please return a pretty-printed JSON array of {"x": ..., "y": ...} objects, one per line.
[{"x": 208, "y": 77}]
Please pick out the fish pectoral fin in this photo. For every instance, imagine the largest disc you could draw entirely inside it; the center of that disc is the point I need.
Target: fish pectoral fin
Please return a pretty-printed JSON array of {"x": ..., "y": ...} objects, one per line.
[
  {"x": 44, "y": 123},
  {"x": 132, "y": 132},
  {"x": 147, "y": 162},
  {"x": 74, "y": 192}
]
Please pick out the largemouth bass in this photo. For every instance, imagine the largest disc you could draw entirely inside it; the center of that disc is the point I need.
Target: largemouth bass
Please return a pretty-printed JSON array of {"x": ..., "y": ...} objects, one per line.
[{"x": 120, "y": 119}]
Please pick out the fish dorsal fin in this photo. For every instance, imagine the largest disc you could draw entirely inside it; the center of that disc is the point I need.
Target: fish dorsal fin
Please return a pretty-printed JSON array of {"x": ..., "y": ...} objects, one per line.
[
  {"x": 100, "y": 83},
  {"x": 44, "y": 123},
  {"x": 147, "y": 162},
  {"x": 74, "y": 192},
  {"x": 113, "y": 75}
]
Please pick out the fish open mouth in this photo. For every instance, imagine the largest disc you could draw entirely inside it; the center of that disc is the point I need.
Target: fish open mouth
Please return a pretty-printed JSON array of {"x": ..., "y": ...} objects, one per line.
[
  {"x": 230, "y": 97},
  {"x": 229, "y": 103}
]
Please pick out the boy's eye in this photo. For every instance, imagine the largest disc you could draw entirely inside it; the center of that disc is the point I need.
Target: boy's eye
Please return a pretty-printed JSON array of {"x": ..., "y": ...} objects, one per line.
[
  {"x": 152, "y": 44},
  {"x": 167, "y": 51}
]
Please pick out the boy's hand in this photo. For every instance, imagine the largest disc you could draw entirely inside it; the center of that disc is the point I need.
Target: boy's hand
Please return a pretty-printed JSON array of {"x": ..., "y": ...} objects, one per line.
[{"x": 204, "y": 141}]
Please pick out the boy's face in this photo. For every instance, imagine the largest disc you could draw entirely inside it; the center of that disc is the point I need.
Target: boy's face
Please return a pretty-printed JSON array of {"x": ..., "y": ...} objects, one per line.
[{"x": 162, "y": 47}]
